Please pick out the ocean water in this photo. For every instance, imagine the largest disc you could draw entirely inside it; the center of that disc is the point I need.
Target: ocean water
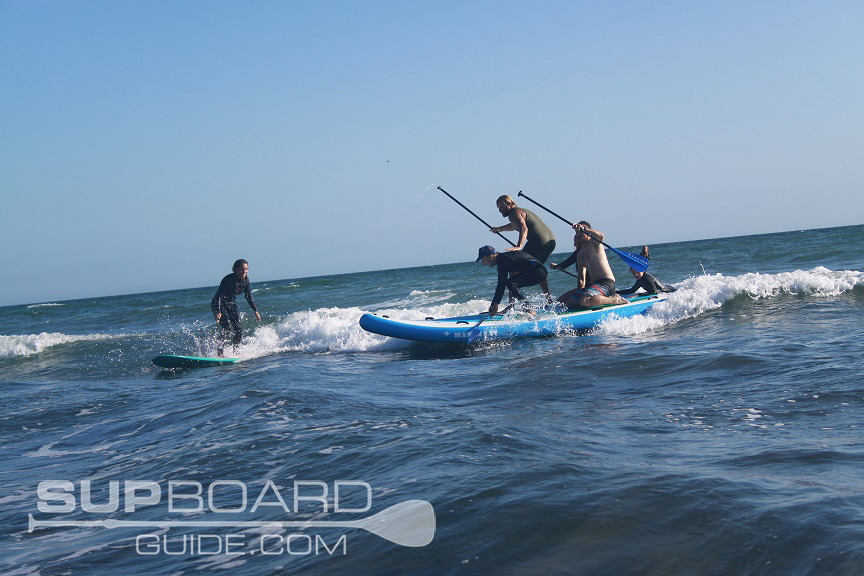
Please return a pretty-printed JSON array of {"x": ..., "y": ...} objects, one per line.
[{"x": 720, "y": 433}]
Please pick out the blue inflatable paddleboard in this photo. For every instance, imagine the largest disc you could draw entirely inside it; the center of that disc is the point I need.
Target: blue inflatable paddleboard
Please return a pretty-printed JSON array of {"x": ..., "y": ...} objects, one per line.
[{"x": 465, "y": 329}]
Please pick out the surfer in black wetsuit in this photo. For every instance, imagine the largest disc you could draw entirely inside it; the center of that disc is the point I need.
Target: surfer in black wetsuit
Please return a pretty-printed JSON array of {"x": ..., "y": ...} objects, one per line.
[
  {"x": 647, "y": 282},
  {"x": 224, "y": 305},
  {"x": 516, "y": 269}
]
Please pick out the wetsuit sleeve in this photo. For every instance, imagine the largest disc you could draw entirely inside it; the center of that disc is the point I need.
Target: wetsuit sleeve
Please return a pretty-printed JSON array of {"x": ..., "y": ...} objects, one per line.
[
  {"x": 652, "y": 285},
  {"x": 503, "y": 271},
  {"x": 648, "y": 283},
  {"x": 569, "y": 261},
  {"x": 224, "y": 288},
  {"x": 247, "y": 291},
  {"x": 631, "y": 290},
  {"x": 661, "y": 287}
]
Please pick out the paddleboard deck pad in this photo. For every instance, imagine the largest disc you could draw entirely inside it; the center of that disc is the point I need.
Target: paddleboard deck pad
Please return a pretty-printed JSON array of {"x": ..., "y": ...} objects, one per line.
[
  {"x": 177, "y": 361},
  {"x": 464, "y": 329}
]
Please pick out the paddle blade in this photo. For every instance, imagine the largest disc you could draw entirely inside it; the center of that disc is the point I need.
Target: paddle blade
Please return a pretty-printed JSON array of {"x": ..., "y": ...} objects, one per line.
[
  {"x": 475, "y": 332},
  {"x": 410, "y": 523},
  {"x": 638, "y": 263}
]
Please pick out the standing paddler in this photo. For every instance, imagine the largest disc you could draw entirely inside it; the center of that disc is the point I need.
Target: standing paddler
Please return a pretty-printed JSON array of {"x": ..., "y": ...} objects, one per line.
[{"x": 535, "y": 237}]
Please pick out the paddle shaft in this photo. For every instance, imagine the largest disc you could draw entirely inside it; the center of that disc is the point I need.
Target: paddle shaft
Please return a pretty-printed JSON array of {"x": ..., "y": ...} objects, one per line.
[
  {"x": 560, "y": 217},
  {"x": 475, "y": 215},
  {"x": 490, "y": 227},
  {"x": 631, "y": 259}
]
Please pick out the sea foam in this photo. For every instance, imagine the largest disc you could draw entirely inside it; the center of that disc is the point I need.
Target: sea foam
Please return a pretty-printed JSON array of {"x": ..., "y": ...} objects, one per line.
[
  {"x": 337, "y": 329},
  {"x": 30, "y": 344},
  {"x": 703, "y": 293}
]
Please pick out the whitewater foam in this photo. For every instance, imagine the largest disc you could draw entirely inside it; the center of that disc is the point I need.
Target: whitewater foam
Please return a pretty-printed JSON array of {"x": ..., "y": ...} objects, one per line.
[
  {"x": 30, "y": 344},
  {"x": 338, "y": 330},
  {"x": 419, "y": 298},
  {"x": 698, "y": 295}
]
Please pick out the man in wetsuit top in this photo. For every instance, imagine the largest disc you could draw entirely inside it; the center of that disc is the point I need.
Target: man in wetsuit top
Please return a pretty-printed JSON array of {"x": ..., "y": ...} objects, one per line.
[
  {"x": 647, "y": 282},
  {"x": 516, "y": 269},
  {"x": 591, "y": 262},
  {"x": 535, "y": 237},
  {"x": 224, "y": 305}
]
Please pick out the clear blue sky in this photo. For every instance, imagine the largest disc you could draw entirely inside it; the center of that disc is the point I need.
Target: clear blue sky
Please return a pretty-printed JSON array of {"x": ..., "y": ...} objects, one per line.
[{"x": 145, "y": 145}]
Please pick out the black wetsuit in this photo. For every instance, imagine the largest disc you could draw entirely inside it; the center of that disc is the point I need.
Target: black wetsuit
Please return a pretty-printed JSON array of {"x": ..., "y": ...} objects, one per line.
[
  {"x": 648, "y": 283},
  {"x": 225, "y": 301},
  {"x": 569, "y": 261},
  {"x": 516, "y": 270}
]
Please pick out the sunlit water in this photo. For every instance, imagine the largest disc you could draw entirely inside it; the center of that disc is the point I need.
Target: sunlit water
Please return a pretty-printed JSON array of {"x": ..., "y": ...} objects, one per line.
[{"x": 721, "y": 433}]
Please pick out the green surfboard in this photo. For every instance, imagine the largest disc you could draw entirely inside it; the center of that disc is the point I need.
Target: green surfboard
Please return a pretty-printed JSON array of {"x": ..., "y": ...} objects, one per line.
[{"x": 177, "y": 361}]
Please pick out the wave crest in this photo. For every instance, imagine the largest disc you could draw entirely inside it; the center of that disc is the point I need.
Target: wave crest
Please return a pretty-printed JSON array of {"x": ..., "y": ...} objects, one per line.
[
  {"x": 30, "y": 344},
  {"x": 703, "y": 293}
]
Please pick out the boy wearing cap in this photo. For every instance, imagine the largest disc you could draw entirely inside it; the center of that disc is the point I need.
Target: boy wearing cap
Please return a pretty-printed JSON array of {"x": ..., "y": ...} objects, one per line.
[{"x": 516, "y": 269}]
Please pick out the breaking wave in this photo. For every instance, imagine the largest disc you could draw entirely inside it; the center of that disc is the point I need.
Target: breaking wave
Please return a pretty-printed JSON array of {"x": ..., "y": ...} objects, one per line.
[
  {"x": 30, "y": 344},
  {"x": 336, "y": 330},
  {"x": 698, "y": 295}
]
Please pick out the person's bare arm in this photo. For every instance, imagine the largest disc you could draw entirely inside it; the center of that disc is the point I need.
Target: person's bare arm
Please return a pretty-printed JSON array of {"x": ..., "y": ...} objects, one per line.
[
  {"x": 517, "y": 222},
  {"x": 594, "y": 234},
  {"x": 505, "y": 228}
]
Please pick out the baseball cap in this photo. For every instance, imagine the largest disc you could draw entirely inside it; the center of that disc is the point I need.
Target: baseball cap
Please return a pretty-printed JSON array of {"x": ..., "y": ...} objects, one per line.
[{"x": 485, "y": 251}]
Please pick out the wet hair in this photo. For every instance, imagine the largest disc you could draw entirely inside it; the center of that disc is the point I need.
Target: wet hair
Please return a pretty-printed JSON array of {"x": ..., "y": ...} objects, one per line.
[
  {"x": 505, "y": 199},
  {"x": 239, "y": 264}
]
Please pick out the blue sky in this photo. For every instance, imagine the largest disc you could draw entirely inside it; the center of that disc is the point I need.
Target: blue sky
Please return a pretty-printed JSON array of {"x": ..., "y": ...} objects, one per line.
[{"x": 146, "y": 145}]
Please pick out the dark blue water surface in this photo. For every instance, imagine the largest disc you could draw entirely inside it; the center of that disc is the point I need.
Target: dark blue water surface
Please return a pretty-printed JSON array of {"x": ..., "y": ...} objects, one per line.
[{"x": 719, "y": 434}]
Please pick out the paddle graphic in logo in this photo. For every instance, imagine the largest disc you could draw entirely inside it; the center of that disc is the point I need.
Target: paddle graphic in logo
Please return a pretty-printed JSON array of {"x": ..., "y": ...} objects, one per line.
[{"x": 410, "y": 523}]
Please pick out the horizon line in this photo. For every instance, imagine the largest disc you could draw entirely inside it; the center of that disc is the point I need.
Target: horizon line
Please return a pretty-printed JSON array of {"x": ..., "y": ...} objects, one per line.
[{"x": 296, "y": 278}]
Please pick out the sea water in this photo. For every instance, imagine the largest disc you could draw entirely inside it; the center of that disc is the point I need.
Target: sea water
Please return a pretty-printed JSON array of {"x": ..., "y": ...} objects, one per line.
[{"x": 720, "y": 433}]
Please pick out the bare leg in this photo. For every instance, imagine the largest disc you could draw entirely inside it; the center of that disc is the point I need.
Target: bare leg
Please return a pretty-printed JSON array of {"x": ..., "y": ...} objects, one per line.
[
  {"x": 591, "y": 301},
  {"x": 570, "y": 298}
]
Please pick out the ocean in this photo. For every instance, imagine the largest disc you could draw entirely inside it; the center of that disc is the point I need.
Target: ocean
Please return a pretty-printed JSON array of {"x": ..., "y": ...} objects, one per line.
[{"x": 720, "y": 433}]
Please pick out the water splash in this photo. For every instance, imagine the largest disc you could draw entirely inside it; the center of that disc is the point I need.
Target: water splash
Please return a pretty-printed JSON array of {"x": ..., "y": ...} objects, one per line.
[
  {"x": 698, "y": 295},
  {"x": 31, "y": 344},
  {"x": 338, "y": 330}
]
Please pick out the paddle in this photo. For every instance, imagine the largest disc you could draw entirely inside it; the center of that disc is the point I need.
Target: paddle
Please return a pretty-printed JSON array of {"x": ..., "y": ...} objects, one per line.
[
  {"x": 632, "y": 260},
  {"x": 474, "y": 333},
  {"x": 487, "y": 224},
  {"x": 409, "y": 523},
  {"x": 475, "y": 215}
]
